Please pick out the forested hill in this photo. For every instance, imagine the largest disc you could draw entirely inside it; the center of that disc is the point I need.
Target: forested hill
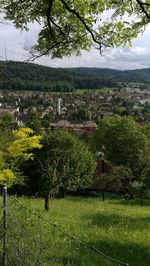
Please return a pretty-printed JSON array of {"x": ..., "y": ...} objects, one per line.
[
  {"x": 137, "y": 75},
  {"x": 27, "y": 76}
]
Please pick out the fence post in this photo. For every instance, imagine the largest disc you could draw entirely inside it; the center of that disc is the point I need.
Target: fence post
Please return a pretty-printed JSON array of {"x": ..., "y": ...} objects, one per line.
[{"x": 5, "y": 226}]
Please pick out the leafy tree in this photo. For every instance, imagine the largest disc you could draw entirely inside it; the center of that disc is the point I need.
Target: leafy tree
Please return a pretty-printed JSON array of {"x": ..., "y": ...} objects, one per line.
[
  {"x": 18, "y": 147},
  {"x": 119, "y": 177},
  {"x": 83, "y": 113},
  {"x": 7, "y": 121},
  {"x": 46, "y": 120},
  {"x": 71, "y": 26},
  {"x": 6, "y": 126},
  {"x": 126, "y": 145},
  {"x": 34, "y": 121},
  {"x": 141, "y": 188},
  {"x": 64, "y": 163},
  {"x": 122, "y": 141},
  {"x": 146, "y": 132}
]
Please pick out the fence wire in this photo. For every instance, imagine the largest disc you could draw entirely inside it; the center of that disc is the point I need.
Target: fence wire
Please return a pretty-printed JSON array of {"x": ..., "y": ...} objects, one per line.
[
  {"x": 1, "y": 231},
  {"x": 34, "y": 241}
]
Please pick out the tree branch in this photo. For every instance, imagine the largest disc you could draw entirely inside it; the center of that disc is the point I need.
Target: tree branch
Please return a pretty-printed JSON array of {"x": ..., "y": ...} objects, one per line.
[
  {"x": 57, "y": 26},
  {"x": 73, "y": 11},
  {"x": 141, "y": 4},
  {"x": 48, "y": 14},
  {"x": 34, "y": 56}
]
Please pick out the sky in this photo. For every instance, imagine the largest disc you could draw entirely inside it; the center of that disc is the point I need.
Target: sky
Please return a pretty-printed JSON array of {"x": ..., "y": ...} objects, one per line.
[{"x": 17, "y": 45}]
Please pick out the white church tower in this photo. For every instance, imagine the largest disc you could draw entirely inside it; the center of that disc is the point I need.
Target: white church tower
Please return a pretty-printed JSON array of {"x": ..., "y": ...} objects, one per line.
[{"x": 59, "y": 100}]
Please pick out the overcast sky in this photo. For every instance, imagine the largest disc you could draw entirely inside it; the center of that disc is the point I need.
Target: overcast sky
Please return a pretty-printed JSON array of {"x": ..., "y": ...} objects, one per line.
[{"x": 18, "y": 43}]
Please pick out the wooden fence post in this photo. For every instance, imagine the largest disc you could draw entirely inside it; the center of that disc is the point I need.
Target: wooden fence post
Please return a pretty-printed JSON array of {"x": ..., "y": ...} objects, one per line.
[{"x": 5, "y": 226}]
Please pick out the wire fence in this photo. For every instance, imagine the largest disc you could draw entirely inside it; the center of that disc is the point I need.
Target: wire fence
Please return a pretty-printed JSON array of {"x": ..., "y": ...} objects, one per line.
[{"x": 28, "y": 239}]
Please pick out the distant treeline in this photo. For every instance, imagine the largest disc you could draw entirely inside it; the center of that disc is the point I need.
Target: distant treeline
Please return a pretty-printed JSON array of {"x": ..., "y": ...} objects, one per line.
[
  {"x": 137, "y": 75},
  {"x": 28, "y": 76}
]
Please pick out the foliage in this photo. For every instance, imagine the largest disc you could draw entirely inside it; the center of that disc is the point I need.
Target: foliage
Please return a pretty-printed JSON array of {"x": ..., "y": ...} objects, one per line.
[
  {"x": 46, "y": 120},
  {"x": 34, "y": 121},
  {"x": 64, "y": 163},
  {"x": 18, "y": 147},
  {"x": 146, "y": 131},
  {"x": 7, "y": 121},
  {"x": 136, "y": 75},
  {"x": 7, "y": 177},
  {"x": 126, "y": 145},
  {"x": 141, "y": 188},
  {"x": 119, "y": 177},
  {"x": 145, "y": 179},
  {"x": 71, "y": 26},
  {"x": 83, "y": 113},
  {"x": 122, "y": 141},
  {"x": 24, "y": 141},
  {"x": 40, "y": 78},
  {"x": 7, "y": 124}
]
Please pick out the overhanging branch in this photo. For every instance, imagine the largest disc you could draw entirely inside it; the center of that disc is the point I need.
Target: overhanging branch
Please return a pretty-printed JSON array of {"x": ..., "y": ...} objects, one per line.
[
  {"x": 73, "y": 11},
  {"x": 48, "y": 14},
  {"x": 142, "y": 6}
]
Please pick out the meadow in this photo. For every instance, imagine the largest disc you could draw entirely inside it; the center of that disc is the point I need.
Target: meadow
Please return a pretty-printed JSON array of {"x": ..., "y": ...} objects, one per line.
[{"x": 118, "y": 228}]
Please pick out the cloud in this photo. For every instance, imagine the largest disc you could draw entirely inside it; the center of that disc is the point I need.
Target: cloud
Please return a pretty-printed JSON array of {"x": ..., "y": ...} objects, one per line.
[
  {"x": 16, "y": 42},
  {"x": 19, "y": 43}
]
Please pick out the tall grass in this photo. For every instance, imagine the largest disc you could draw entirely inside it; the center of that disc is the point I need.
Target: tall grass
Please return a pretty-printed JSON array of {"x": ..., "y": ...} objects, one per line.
[{"x": 118, "y": 228}]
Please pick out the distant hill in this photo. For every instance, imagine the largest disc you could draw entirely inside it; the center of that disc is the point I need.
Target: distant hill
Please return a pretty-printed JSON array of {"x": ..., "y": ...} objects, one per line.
[
  {"x": 137, "y": 75},
  {"x": 29, "y": 76}
]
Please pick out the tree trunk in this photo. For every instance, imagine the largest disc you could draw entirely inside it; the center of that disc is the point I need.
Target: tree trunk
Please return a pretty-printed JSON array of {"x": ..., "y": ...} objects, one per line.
[
  {"x": 47, "y": 201},
  {"x": 103, "y": 170},
  {"x": 103, "y": 194},
  {"x": 141, "y": 201}
]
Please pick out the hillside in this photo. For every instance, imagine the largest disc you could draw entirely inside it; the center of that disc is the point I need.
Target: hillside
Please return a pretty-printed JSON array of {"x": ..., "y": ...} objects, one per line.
[
  {"x": 27, "y": 76},
  {"x": 137, "y": 75}
]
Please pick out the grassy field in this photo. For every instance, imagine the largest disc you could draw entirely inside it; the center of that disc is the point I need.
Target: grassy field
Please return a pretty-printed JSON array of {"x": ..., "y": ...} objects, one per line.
[
  {"x": 120, "y": 229},
  {"x": 94, "y": 91}
]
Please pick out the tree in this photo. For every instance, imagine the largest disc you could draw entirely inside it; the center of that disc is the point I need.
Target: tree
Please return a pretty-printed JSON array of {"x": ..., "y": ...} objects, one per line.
[
  {"x": 46, "y": 120},
  {"x": 83, "y": 113},
  {"x": 122, "y": 141},
  {"x": 34, "y": 121},
  {"x": 141, "y": 188},
  {"x": 7, "y": 124},
  {"x": 125, "y": 145},
  {"x": 71, "y": 26},
  {"x": 64, "y": 163},
  {"x": 7, "y": 121},
  {"x": 146, "y": 132},
  {"x": 120, "y": 178},
  {"x": 18, "y": 147}
]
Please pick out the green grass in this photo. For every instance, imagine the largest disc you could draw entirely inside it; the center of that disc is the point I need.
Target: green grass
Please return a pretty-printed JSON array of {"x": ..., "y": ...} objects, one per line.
[
  {"x": 94, "y": 91},
  {"x": 120, "y": 229}
]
